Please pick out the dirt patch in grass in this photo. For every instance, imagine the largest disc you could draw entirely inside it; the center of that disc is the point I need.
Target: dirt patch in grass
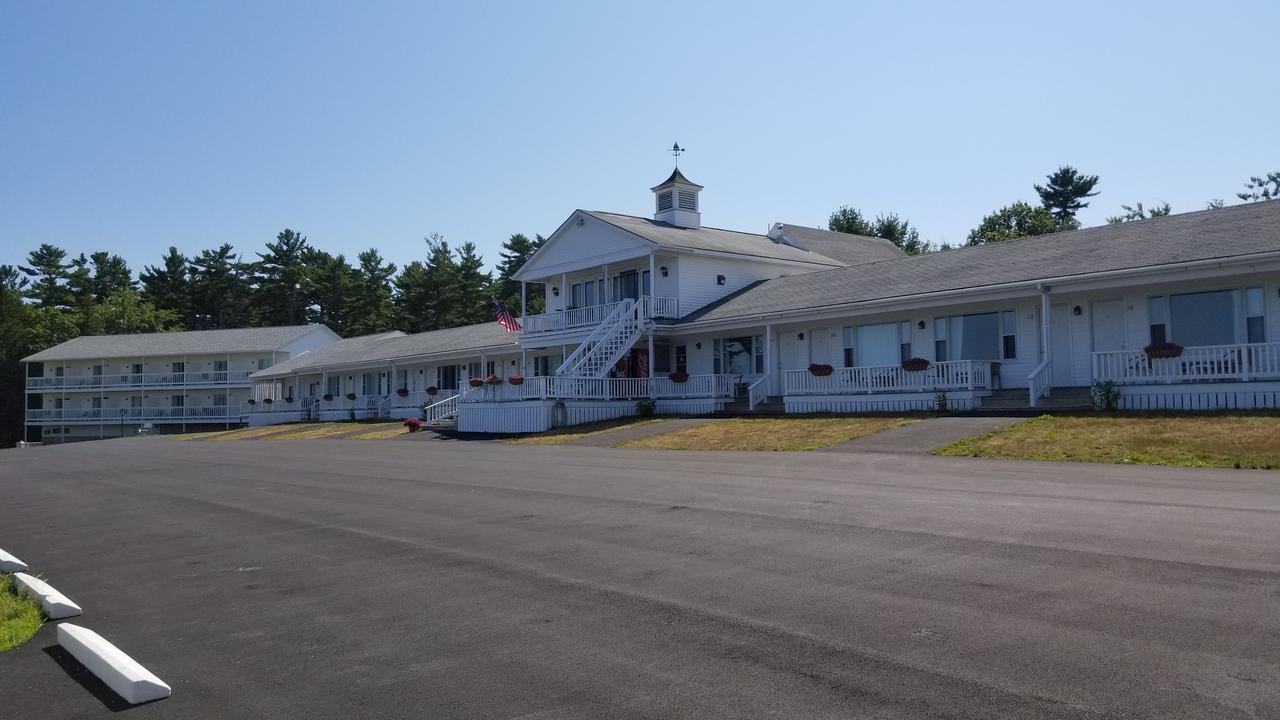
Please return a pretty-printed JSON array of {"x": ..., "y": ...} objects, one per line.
[
  {"x": 1233, "y": 441},
  {"x": 768, "y": 433},
  {"x": 20, "y": 618},
  {"x": 567, "y": 434}
]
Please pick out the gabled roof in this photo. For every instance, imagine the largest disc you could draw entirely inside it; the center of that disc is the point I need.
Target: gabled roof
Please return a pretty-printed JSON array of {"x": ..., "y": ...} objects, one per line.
[
  {"x": 191, "y": 342},
  {"x": 373, "y": 349},
  {"x": 677, "y": 177},
  {"x": 1231, "y": 232},
  {"x": 847, "y": 248},
  {"x": 674, "y": 237}
]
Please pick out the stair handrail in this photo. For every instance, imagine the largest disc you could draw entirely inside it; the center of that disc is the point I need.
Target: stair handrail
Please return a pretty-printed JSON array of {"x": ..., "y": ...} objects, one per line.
[
  {"x": 441, "y": 410},
  {"x": 607, "y": 327},
  {"x": 1039, "y": 381},
  {"x": 755, "y": 395}
]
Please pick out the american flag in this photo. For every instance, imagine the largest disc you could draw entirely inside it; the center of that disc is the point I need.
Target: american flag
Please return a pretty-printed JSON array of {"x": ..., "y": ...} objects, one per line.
[{"x": 505, "y": 318}]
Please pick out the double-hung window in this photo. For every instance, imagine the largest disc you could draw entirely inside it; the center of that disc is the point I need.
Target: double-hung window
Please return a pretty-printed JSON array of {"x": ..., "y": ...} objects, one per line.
[
  {"x": 878, "y": 344},
  {"x": 589, "y": 293},
  {"x": 575, "y": 295},
  {"x": 1216, "y": 317},
  {"x": 979, "y": 336},
  {"x": 682, "y": 358},
  {"x": 1254, "y": 328}
]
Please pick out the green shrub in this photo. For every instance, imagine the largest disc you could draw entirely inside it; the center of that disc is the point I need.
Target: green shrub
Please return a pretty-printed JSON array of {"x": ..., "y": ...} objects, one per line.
[
  {"x": 645, "y": 408},
  {"x": 1106, "y": 396}
]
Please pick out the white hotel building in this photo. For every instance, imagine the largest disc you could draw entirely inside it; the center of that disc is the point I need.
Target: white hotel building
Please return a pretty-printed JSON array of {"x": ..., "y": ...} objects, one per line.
[{"x": 104, "y": 386}]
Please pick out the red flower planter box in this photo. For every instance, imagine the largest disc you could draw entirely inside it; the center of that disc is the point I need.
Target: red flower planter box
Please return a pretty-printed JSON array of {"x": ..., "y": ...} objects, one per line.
[{"x": 820, "y": 370}]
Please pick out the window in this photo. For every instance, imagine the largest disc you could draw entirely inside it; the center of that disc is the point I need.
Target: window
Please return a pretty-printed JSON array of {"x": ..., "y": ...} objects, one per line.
[
  {"x": 137, "y": 369},
  {"x": 402, "y": 379},
  {"x": 136, "y": 402},
  {"x": 333, "y": 386},
  {"x": 981, "y": 336},
  {"x": 97, "y": 403},
  {"x": 97, "y": 371},
  {"x": 1205, "y": 318},
  {"x": 447, "y": 377},
  {"x": 490, "y": 368},
  {"x": 664, "y": 200},
  {"x": 1254, "y": 328},
  {"x": 59, "y": 371},
  {"x": 1009, "y": 335},
  {"x": 1158, "y": 319},
  {"x": 180, "y": 367},
  {"x": 575, "y": 295},
  {"x": 878, "y": 344},
  {"x": 739, "y": 355},
  {"x": 661, "y": 359},
  {"x": 57, "y": 403},
  {"x": 904, "y": 340},
  {"x": 646, "y": 283},
  {"x": 473, "y": 370},
  {"x": 218, "y": 366},
  {"x": 219, "y": 400},
  {"x": 589, "y": 293},
  {"x": 177, "y": 401},
  {"x": 682, "y": 358}
]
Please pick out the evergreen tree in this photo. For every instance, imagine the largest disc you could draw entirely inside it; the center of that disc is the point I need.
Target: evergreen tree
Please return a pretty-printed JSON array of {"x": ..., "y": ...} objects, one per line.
[
  {"x": 220, "y": 290},
  {"x": 278, "y": 298},
  {"x": 850, "y": 220},
  {"x": 474, "y": 289},
  {"x": 1137, "y": 212},
  {"x": 426, "y": 292},
  {"x": 168, "y": 287},
  {"x": 371, "y": 307},
  {"x": 1014, "y": 221},
  {"x": 516, "y": 251},
  {"x": 1262, "y": 188},
  {"x": 124, "y": 312},
  {"x": 900, "y": 232},
  {"x": 329, "y": 285},
  {"x": 111, "y": 275},
  {"x": 1064, "y": 195},
  {"x": 48, "y": 267}
]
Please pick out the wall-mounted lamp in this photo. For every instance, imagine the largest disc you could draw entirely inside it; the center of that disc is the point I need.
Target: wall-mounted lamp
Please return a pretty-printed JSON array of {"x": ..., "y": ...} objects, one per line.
[
  {"x": 1077, "y": 310},
  {"x": 920, "y": 325},
  {"x": 581, "y": 221},
  {"x": 799, "y": 336},
  {"x": 555, "y": 291},
  {"x": 719, "y": 279},
  {"x": 663, "y": 270},
  {"x": 697, "y": 346}
]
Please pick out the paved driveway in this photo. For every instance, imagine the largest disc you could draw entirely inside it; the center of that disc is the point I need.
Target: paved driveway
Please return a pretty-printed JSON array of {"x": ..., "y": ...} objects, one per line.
[{"x": 449, "y": 580}]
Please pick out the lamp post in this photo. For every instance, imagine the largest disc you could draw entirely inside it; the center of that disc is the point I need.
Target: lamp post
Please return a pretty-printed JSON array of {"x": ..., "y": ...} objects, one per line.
[{"x": 123, "y": 413}]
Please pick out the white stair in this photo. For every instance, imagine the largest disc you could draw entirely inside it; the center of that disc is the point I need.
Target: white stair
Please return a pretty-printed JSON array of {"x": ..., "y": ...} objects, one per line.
[
  {"x": 442, "y": 410},
  {"x": 606, "y": 345}
]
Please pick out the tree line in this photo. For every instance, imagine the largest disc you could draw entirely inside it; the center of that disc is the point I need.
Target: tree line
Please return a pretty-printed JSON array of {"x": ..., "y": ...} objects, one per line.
[
  {"x": 1065, "y": 192},
  {"x": 54, "y": 297}
]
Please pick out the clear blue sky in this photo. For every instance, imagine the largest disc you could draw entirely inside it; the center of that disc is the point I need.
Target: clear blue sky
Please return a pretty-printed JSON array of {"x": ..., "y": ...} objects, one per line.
[{"x": 132, "y": 126}]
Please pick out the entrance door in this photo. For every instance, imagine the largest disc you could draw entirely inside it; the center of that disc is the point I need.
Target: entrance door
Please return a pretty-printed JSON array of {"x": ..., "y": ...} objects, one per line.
[
  {"x": 1107, "y": 321},
  {"x": 795, "y": 351},
  {"x": 1060, "y": 346}
]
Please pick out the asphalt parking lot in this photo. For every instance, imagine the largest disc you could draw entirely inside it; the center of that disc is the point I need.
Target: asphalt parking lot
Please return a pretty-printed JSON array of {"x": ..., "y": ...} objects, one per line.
[{"x": 479, "y": 580}]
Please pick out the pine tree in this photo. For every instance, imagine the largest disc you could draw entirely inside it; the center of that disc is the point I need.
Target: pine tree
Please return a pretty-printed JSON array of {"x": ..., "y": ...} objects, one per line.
[
  {"x": 371, "y": 307},
  {"x": 474, "y": 288},
  {"x": 427, "y": 292},
  {"x": 220, "y": 290},
  {"x": 516, "y": 251},
  {"x": 278, "y": 274},
  {"x": 1137, "y": 212},
  {"x": 1064, "y": 195},
  {"x": 168, "y": 287},
  {"x": 48, "y": 267},
  {"x": 329, "y": 284}
]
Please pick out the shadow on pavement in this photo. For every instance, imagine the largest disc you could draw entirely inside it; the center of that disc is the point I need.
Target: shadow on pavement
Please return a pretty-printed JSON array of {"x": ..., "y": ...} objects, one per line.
[{"x": 87, "y": 680}]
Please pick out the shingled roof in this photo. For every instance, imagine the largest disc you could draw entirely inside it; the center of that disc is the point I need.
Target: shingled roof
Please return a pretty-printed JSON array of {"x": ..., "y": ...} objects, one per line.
[
  {"x": 191, "y": 342},
  {"x": 372, "y": 349},
  {"x": 1206, "y": 235},
  {"x": 674, "y": 237}
]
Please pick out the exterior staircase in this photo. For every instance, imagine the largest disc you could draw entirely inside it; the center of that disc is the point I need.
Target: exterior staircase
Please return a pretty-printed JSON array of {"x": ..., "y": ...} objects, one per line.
[
  {"x": 606, "y": 345},
  {"x": 1014, "y": 401}
]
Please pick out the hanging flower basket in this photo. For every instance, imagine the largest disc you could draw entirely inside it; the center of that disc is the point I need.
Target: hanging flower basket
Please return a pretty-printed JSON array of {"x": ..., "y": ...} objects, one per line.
[
  {"x": 403, "y": 392},
  {"x": 328, "y": 397},
  {"x": 267, "y": 401},
  {"x": 679, "y": 376},
  {"x": 351, "y": 396},
  {"x": 433, "y": 391},
  {"x": 493, "y": 380},
  {"x": 475, "y": 381},
  {"x": 289, "y": 399},
  {"x": 252, "y": 401},
  {"x": 1163, "y": 350},
  {"x": 915, "y": 364},
  {"x": 819, "y": 370},
  {"x": 516, "y": 379}
]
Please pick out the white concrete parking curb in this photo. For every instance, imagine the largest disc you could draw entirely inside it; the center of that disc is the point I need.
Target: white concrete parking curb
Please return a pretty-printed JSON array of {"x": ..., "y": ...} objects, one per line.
[
  {"x": 11, "y": 564},
  {"x": 120, "y": 672},
  {"x": 55, "y": 604}
]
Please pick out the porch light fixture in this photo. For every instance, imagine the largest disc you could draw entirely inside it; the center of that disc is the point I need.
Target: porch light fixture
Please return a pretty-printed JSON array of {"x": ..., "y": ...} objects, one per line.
[
  {"x": 1077, "y": 310},
  {"x": 799, "y": 336},
  {"x": 663, "y": 270},
  {"x": 697, "y": 346},
  {"x": 719, "y": 279},
  {"x": 920, "y": 325},
  {"x": 555, "y": 291}
]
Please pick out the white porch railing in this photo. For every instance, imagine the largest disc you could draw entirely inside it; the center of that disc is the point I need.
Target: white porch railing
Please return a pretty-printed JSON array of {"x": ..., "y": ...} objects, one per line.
[
  {"x": 568, "y": 387},
  {"x": 1203, "y": 363},
  {"x": 1039, "y": 382},
  {"x": 592, "y": 315},
  {"x": 138, "y": 380},
  {"x": 436, "y": 412},
  {"x": 950, "y": 375}
]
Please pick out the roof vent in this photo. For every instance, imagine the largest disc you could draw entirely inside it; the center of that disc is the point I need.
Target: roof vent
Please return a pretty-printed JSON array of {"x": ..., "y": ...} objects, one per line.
[{"x": 676, "y": 201}]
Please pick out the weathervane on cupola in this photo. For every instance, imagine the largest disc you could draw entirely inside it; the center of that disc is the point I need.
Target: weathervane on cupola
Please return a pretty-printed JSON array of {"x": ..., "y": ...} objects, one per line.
[{"x": 676, "y": 199}]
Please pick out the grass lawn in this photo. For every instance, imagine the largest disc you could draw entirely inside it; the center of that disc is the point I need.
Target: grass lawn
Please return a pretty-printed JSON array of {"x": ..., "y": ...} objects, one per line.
[
  {"x": 768, "y": 433},
  {"x": 1240, "y": 441},
  {"x": 381, "y": 434},
  {"x": 566, "y": 434},
  {"x": 19, "y": 617}
]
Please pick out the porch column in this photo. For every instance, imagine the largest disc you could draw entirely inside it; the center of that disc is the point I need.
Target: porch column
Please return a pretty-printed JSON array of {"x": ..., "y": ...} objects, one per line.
[
  {"x": 653, "y": 274},
  {"x": 564, "y": 290},
  {"x": 651, "y": 359},
  {"x": 524, "y": 362},
  {"x": 1046, "y": 331},
  {"x": 769, "y": 369},
  {"x": 524, "y": 303},
  {"x": 607, "y": 291}
]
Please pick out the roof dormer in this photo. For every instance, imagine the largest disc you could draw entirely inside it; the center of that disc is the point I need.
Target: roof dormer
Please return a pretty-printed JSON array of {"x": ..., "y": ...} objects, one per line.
[{"x": 675, "y": 201}]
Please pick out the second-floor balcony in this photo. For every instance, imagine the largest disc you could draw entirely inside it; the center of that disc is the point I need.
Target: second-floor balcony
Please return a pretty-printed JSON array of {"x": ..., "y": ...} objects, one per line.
[
  {"x": 189, "y": 413},
  {"x": 139, "y": 380},
  {"x": 584, "y": 318}
]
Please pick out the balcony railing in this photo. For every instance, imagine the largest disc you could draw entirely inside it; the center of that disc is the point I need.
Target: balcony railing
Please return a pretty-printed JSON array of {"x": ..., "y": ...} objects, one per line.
[
  {"x": 950, "y": 375},
  {"x": 592, "y": 315},
  {"x": 139, "y": 380},
  {"x": 1202, "y": 363},
  {"x": 556, "y": 387},
  {"x": 205, "y": 413}
]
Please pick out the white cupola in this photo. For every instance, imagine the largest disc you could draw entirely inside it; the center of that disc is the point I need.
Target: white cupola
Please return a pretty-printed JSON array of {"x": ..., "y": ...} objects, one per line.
[{"x": 675, "y": 201}]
